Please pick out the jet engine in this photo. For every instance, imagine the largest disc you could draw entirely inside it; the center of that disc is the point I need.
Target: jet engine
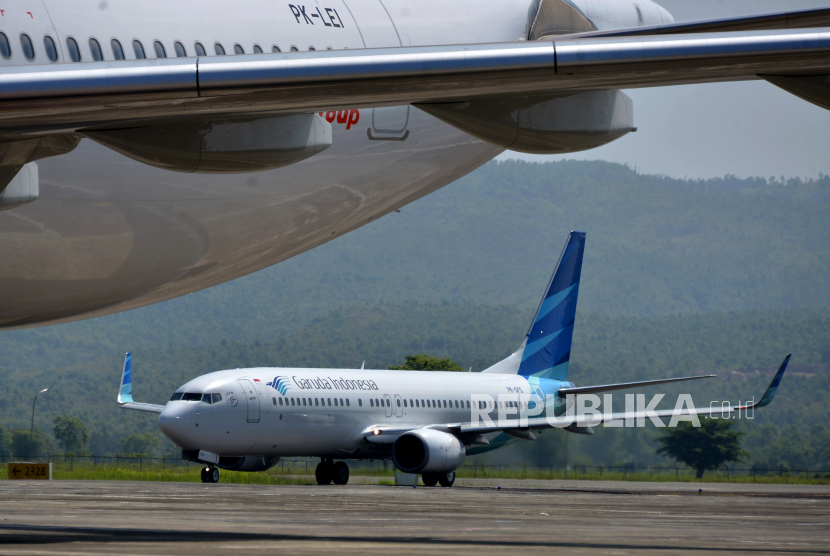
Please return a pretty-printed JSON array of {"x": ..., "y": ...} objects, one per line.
[
  {"x": 427, "y": 451},
  {"x": 542, "y": 125},
  {"x": 248, "y": 463},
  {"x": 220, "y": 146}
]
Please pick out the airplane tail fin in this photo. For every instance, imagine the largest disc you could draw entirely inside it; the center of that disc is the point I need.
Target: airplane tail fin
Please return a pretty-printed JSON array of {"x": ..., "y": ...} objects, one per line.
[{"x": 546, "y": 351}]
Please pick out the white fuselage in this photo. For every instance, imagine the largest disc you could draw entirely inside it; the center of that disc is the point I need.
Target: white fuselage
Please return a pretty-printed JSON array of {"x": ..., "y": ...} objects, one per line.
[
  {"x": 324, "y": 412},
  {"x": 108, "y": 233}
]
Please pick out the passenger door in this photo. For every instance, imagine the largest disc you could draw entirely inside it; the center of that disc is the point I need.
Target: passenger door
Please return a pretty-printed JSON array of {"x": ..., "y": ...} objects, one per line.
[{"x": 251, "y": 399}]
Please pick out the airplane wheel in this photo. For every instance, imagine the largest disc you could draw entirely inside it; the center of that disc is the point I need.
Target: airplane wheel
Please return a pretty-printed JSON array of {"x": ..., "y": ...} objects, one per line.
[
  {"x": 324, "y": 473},
  {"x": 213, "y": 475},
  {"x": 446, "y": 479},
  {"x": 430, "y": 479},
  {"x": 341, "y": 473},
  {"x": 204, "y": 474}
]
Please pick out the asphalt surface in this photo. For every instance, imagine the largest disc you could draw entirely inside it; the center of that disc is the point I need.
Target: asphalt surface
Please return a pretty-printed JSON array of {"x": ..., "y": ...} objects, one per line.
[{"x": 562, "y": 517}]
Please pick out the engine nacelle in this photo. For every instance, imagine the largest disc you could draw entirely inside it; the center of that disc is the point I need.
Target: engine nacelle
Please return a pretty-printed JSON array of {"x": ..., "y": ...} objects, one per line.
[
  {"x": 248, "y": 463},
  {"x": 542, "y": 125},
  {"x": 427, "y": 451},
  {"x": 220, "y": 146}
]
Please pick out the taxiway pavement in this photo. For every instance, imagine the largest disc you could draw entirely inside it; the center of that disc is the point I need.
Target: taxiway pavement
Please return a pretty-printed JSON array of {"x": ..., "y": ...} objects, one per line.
[{"x": 564, "y": 517}]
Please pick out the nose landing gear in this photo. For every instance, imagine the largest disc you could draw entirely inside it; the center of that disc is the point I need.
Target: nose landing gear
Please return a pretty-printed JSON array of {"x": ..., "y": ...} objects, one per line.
[
  {"x": 328, "y": 472},
  {"x": 210, "y": 475}
]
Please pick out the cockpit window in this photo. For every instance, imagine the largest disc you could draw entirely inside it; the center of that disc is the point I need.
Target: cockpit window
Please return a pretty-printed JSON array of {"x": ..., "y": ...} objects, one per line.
[
  {"x": 177, "y": 396},
  {"x": 217, "y": 398},
  {"x": 191, "y": 397},
  {"x": 207, "y": 398}
]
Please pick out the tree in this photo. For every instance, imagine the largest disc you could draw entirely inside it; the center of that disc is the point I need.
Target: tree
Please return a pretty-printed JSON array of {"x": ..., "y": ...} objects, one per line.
[
  {"x": 72, "y": 433},
  {"x": 4, "y": 441},
  {"x": 708, "y": 446},
  {"x": 143, "y": 444},
  {"x": 424, "y": 362},
  {"x": 20, "y": 443}
]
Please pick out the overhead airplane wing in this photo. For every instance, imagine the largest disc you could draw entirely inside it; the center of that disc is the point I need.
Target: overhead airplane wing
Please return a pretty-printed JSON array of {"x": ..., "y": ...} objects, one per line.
[
  {"x": 522, "y": 427},
  {"x": 800, "y": 19},
  {"x": 101, "y": 94}
]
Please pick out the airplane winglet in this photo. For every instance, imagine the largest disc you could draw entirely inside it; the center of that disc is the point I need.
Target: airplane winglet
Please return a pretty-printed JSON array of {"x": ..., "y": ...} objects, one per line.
[
  {"x": 125, "y": 393},
  {"x": 773, "y": 386}
]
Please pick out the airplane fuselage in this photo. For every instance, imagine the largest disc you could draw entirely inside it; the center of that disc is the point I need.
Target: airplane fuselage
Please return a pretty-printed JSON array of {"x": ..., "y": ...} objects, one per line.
[{"x": 108, "y": 233}]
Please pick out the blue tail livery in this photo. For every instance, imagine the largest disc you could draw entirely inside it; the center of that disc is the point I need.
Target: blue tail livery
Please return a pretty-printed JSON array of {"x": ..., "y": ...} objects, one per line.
[{"x": 548, "y": 346}]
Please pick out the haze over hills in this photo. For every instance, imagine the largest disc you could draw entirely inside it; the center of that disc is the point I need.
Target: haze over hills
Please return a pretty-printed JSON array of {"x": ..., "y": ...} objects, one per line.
[
  {"x": 656, "y": 246},
  {"x": 680, "y": 277}
]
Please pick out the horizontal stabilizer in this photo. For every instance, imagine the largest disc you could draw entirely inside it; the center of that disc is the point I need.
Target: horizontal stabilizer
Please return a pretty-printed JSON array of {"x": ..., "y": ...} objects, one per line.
[{"x": 623, "y": 385}]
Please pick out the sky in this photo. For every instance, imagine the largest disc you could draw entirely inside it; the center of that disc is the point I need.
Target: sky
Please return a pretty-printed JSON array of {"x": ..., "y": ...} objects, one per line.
[{"x": 704, "y": 131}]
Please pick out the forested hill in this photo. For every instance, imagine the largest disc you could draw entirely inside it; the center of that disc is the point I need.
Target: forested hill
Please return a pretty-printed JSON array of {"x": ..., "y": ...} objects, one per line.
[
  {"x": 744, "y": 349},
  {"x": 656, "y": 246}
]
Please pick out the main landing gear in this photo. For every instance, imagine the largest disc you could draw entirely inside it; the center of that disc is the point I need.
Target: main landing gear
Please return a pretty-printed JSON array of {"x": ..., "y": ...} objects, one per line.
[
  {"x": 210, "y": 475},
  {"x": 432, "y": 479},
  {"x": 328, "y": 472}
]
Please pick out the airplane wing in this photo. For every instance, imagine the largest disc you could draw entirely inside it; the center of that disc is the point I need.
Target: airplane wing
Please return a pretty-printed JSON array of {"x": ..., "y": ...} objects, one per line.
[
  {"x": 521, "y": 427},
  {"x": 43, "y": 99}
]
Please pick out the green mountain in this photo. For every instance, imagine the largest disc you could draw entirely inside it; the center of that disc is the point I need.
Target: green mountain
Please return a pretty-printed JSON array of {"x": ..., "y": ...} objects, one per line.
[
  {"x": 656, "y": 246},
  {"x": 725, "y": 275}
]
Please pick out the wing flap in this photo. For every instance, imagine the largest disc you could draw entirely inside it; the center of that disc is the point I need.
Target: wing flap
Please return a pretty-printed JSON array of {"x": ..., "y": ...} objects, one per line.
[{"x": 624, "y": 385}]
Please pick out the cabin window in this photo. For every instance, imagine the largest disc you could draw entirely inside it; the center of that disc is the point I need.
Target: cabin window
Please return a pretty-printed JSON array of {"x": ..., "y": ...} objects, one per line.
[
  {"x": 456, "y": 404},
  {"x": 176, "y": 397},
  {"x": 5, "y": 47},
  {"x": 220, "y": 50},
  {"x": 347, "y": 402},
  {"x": 468, "y": 404},
  {"x": 74, "y": 51},
  {"x": 317, "y": 402},
  {"x": 274, "y": 401},
  {"x": 200, "y": 50},
  {"x": 312, "y": 49},
  {"x": 360, "y": 402},
  {"x": 28, "y": 47},
  {"x": 388, "y": 402},
  {"x": 422, "y": 403},
  {"x": 138, "y": 48},
  {"x": 51, "y": 49},
  {"x": 159, "y": 48},
  {"x": 180, "y": 51},
  {"x": 404, "y": 403},
  {"x": 445, "y": 403},
  {"x": 280, "y": 401},
  {"x": 371, "y": 402},
  {"x": 292, "y": 401},
  {"x": 257, "y": 49},
  {"x": 274, "y": 48},
  {"x": 117, "y": 51},
  {"x": 398, "y": 403},
  {"x": 304, "y": 401},
  {"x": 341, "y": 402},
  {"x": 237, "y": 49},
  {"x": 95, "y": 50},
  {"x": 294, "y": 49}
]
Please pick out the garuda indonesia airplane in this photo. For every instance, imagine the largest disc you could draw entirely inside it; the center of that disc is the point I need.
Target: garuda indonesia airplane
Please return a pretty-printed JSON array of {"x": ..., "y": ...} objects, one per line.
[
  {"x": 150, "y": 149},
  {"x": 425, "y": 422}
]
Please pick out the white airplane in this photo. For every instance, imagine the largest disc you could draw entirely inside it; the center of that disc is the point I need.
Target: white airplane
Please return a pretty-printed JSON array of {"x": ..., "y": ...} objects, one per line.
[
  {"x": 425, "y": 422},
  {"x": 152, "y": 149}
]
